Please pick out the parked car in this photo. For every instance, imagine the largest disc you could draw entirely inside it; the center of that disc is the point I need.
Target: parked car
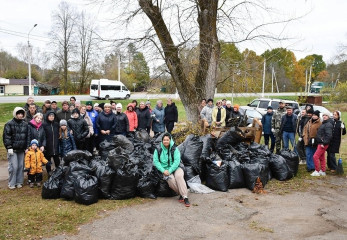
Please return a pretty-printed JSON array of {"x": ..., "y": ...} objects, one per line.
[
  {"x": 251, "y": 113},
  {"x": 321, "y": 109},
  {"x": 261, "y": 104}
]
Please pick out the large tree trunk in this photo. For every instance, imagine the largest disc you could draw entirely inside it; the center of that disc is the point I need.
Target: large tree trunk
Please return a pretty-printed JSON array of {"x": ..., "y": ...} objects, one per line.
[{"x": 205, "y": 80}]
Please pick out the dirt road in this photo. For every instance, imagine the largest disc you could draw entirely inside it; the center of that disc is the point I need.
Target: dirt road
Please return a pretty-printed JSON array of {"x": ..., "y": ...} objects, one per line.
[{"x": 319, "y": 213}]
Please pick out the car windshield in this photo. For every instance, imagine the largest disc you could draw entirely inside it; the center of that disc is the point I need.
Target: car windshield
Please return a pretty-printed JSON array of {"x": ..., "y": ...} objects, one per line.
[{"x": 254, "y": 103}]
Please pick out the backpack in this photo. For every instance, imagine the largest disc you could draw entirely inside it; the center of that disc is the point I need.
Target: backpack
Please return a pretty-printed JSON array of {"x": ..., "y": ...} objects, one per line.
[{"x": 172, "y": 151}]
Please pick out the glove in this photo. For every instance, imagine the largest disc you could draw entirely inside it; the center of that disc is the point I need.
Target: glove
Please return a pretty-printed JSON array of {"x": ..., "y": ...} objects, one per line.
[
  {"x": 342, "y": 125},
  {"x": 48, "y": 164},
  {"x": 273, "y": 130},
  {"x": 10, "y": 151},
  {"x": 300, "y": 139},
  {"x": 26, "y": 169}
]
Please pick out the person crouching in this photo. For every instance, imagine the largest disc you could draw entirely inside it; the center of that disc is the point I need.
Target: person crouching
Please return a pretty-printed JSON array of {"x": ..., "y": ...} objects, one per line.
[
  {"x": 167, "y": 159},
  {"x": 34, "y": 159}
]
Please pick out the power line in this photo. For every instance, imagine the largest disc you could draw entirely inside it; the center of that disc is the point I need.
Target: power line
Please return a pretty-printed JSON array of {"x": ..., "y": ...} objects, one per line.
[
  {"x": 17, "y": 35},
  {"x": 6, "y": 30}
]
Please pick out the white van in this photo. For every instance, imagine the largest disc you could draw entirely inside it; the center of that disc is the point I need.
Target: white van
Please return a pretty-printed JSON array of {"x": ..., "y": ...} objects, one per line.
[{"x": 108, "y": 89}]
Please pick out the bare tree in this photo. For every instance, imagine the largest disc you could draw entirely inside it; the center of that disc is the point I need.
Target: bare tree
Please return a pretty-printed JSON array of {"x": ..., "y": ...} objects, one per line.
[{"x": 64, "y": 23}]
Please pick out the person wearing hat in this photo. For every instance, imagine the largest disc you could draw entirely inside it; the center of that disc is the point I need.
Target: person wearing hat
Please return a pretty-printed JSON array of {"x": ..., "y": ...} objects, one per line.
[
  {"x": 16, "y": 137},
  {"x": 276, "y": 125},
  {"x": 324, "y": 136},
  {"x": 288, "y": 128},
  {"x": 122, "y": 127},
  {"x": 79, "y": 128},
  {"x": 66, "y": 140},
  {"x": 132, "y": 117},
  {"x": 89, "y": 146},
  {"x": 148, "y": 104},
  {"x": 93, "y": 114},
  {"x": 236, "y": 115},
  {"x": 106, "y": 124},
  {"x": 64, "y": 113},
  {"x": 309, "y": 134},
  {"x": 266, "y": 122},
  {"x": 228, "y": 111},
  {"x": 51, "y": 127},
  {"x": 334, "y": 146},
  {"x": 97, "y": 108},
  {"x": 54, "y": 106},
  {"x": 34, "y": 159}
]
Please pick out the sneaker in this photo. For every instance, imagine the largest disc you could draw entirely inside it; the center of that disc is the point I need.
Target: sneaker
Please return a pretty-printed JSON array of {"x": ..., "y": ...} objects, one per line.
[
  {"x": 38, "y": 184},
  {"x": 31, "y": 185},
  {"x": 11, "y": 187},
  {"x": 181, "y": 200},
  {"x": 315, "y": 174},
  {"x": 321, "y": 173},
  {"x": 333, "y": 171},
  {"x": 186, "y": 202},
  {"x": 302, "y": 162},
  {"x": 19, "y": 185}
]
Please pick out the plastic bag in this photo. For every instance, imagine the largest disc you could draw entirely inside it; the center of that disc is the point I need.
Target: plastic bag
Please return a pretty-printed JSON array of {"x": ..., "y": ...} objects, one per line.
[
  {"x": 146, "y": 188},
  {"x": 206, "y": 146},
  {"x": 105, "y": 148},
  {"x": 86, "y": 189},
  {"x": 189, "y": 172},
  {"x": 192, "y": 153},
  {"x": 116, "y": 158},
  {"x": 105, "y": 175},
  {"x": 51, "y": 189},
  {"x": 142, "y": 135},
  {"x": 292, "y": 160},
  {"x": 236, "y": 179},
  {"x": 124, "y": 185},
  {"x": 124, "y": 143},
  {"x": 279, "y": 168},
  {"x": 251, "y": 171},
  {"x": 163, "y": 189},
  {"x": 77, "y": 155},
  {"x": 217, "y": 177},
  {"x": 231, "y": 137},
  {"x": 195, "y": 186}
]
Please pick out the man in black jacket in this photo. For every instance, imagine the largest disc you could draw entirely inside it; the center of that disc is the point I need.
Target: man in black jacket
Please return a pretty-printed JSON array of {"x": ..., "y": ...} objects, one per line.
[
  {"x": 64, "y": 113},
  {"x": 288, "y": 128},
  {"x": 79, "y": 128},
  {"x": 171, "y": 115},
  {"x": 15, "y": 138}
]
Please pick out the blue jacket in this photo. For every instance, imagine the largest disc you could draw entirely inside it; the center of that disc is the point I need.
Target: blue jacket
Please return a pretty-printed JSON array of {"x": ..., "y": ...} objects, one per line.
[
  {"x": 66, "y": 144},
  {"x": 158, "y": 114},
  {"x": 106, "y": 122},
  {"x": 266, "y": 121},
  {"x": 93, "y": 116}
]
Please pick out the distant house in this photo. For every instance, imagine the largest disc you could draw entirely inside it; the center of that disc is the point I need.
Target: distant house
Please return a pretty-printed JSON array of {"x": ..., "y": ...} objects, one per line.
[{"x": 16, "y": 86}]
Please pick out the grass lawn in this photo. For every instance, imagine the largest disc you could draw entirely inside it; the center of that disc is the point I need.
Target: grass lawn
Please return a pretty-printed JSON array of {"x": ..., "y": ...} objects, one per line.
[{"x": 25, "y": 215}]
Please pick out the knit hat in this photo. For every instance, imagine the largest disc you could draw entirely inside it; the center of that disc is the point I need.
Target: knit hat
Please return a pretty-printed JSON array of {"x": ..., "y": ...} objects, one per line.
[
  {"x": 317, "y": 112},
  {"x": 63, "y": 122},
  {"x": 282, "y": 101},
  {"x": 327, "y": 114},
  {"x": 119, "y": 105},
  {"x": 90, "y": 103},
  {"x": 107, "y": 105},
  {"x": 310, "y": 111},
  {"x": 228, "y": 102},
  {"x": 269, "y": 107},
  {"x": 96, "y": 104},
  {"x": 237, "y": 106},
  {"x": 148, "y": 102},
  {"x": 34, "y": 141},
  {"x": 54, "y": 101},
  {"x": 75, "y": 110}
]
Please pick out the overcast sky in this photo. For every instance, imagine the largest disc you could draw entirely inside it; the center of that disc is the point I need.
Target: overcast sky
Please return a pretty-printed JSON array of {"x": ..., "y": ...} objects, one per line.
[{"x": 320, "y": 32}]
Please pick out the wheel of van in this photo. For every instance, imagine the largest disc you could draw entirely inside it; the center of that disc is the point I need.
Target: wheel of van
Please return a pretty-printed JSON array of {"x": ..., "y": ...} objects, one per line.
[
  {"x": 127, "y": 96},
  {"x": 107, "y": 97}
]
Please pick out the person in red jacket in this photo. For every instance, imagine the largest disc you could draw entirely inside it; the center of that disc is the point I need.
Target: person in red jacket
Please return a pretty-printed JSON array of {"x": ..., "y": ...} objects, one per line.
[{"x": 132, "y": 117}]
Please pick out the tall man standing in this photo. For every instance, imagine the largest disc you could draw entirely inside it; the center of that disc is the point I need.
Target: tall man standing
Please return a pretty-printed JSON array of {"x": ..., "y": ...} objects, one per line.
[
  {"x": 288, "y": 128},
  {"x": 276, "y": 124}
]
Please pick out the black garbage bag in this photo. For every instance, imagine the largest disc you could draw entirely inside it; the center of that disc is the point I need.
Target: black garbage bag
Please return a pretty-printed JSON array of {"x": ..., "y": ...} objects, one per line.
[
  {"x": 124, "y": 185},
  {"x": 157, "y": 139},
  {"x": 75, "y": 170},
  {"x": 86, "y": 189},
  {"x": 206, "y": 146},
  {"x": 105, "y": 174},
  {"x": 227, "y": 153},
  {"x": 163, "y": 189},
  {"x": 142, "y": 135},
  {"x": 279, "y": 168},
  {"x": 124, "y": 143},
  {"x": 292, "y": 160},
  {"x": 77, "y": 155},
  {"x": 251, "y": 171},
  {"x": 116, "y": 158},
  {"x": 231, "y": 137},
  {"x": 96, "y": 161},
  {"x": 189, "y": 172},
  {"x": 236, "y": 179},
  {"x": 192, "y": 153},
  {"x": 146, "y": 188},
  {"x": 105, "y": 148},
  {"x": 217, "y": 177},
  {"x": 51, "y": 189}
]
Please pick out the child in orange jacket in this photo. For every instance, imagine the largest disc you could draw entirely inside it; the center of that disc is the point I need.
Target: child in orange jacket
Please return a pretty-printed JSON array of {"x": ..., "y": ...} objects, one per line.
[{"x": 34, "y": 159}]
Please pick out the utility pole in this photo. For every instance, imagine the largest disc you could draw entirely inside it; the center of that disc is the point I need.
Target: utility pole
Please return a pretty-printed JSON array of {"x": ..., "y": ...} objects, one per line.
[
  {"x": 262, "y": 93},
  {"x": 306, "y": 80},
  {"x": 309, "y": 81},
  {"x": 29, "y": 59},
  {"x": 232, "y": 90},
  {"x": 272, "y": 79},
  {"x": 118, "y": 66}
]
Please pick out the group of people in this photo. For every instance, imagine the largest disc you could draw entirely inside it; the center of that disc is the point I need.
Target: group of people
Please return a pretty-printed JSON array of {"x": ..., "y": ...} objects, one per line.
[
  {"x": 315, "y": 136},
  {"x": 36, "y": 135}
]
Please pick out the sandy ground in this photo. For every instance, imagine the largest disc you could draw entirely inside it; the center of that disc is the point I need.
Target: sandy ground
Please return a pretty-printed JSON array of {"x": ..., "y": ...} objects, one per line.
[{"x": 238, "y": 214}]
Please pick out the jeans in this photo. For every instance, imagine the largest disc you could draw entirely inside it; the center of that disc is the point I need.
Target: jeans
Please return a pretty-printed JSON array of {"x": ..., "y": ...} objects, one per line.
[
  {"x": 319, "y": 158},
  {"x": 331, "y": 160},
  {"x": 309, "y": 157},
  {"x": 267, "y": 138},
  {"x": 15, "y": 168},
  {"x": 289, "y": 136}
]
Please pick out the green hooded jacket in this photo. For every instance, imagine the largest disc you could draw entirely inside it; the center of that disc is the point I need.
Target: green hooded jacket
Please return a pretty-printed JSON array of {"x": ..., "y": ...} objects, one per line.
[{"x": 166, "y": 163}]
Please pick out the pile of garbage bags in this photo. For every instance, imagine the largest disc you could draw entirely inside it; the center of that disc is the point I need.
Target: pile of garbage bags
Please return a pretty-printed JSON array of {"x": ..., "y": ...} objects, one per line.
[{"x": 124, "y": 168}]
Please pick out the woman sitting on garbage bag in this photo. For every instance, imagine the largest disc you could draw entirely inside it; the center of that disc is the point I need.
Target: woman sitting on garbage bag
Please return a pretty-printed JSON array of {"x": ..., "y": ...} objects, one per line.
[{"x": 167, "y": 159}]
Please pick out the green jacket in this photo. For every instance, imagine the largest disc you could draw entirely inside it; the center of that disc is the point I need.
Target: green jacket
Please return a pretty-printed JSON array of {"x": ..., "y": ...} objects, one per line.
[
  {"x": 166, "y": 162},
  {"x": 277, "y": 118}
]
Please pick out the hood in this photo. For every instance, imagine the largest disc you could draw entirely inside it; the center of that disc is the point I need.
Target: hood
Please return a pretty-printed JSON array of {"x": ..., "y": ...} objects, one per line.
[
  {"x": 171, "y": 144},
  {"x": 48, "y": 113},
  {"x": 18, "y": 109},
  {"x": 131, "y": 105}
]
